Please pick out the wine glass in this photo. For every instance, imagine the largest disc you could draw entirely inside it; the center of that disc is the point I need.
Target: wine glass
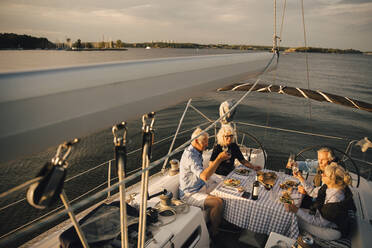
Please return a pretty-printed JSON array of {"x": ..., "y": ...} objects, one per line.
[
  {"x": 226, "y": 149},
  {"x": 291, "y": 158}
]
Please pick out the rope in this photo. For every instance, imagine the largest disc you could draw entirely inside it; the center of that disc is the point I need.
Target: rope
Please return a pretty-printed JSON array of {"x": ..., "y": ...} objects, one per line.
[
  {"x": 199, "y": 112},
  {"x": 294, "y": 131},
  {"x": 275, "y": 46},
  {"x": 176, "y": 133},
  {"x": 176, "y": 207},
  {"x": 306, "y": 58},
  {"x": 179, "y": 126},
  {"x": 274, "y": 36},
  {"x": 19, "y": 187},
  {"x": 282, "y": 24},
  {"x": 50, "y": 212},
  {"x": 174, "y": 214}
]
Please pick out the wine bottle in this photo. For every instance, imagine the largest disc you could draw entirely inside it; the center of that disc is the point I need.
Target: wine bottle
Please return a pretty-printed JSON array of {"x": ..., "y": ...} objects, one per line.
[{"x": 255, "y": 189}]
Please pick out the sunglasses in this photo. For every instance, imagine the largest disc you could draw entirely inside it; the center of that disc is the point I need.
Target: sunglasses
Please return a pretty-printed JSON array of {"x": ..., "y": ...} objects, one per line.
[{"x": 229, "y": 136}]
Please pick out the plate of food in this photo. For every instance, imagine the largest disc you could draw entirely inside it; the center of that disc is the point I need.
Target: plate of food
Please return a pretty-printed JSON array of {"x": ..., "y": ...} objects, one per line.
[
  {"x": 289, "y": 184},
  {"x": 242, "y": 171},
  {"x": 268, "y": 178},
  {"x": 286, "y": 198},
  {"x": 232, "y": 182}
]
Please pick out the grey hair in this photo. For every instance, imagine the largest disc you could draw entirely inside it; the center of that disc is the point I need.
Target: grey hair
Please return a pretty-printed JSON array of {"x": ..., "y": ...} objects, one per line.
[
  {"x": 225, "y": 129},
  {"x": 338, "y": 175},
  {"x": 331, "y": 155},
  {"x": 198, "y": 131}
]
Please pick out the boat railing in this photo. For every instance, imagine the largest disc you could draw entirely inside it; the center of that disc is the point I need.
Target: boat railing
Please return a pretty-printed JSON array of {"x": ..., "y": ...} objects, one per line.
[
  {"x": 112, "y": 185},
  {"x": 365, "y": 172}
]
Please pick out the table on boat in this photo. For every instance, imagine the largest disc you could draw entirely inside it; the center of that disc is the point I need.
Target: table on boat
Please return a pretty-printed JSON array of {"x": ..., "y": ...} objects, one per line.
[{"x": 264, "y": 215}]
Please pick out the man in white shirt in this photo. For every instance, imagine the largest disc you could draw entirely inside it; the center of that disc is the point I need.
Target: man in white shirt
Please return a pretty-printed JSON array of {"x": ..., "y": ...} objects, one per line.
[{"x": 193, "y": 179}]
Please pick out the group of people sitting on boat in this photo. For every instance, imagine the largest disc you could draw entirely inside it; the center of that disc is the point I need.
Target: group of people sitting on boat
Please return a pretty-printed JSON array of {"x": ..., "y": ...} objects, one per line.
[{"x": 324, "y": 210}]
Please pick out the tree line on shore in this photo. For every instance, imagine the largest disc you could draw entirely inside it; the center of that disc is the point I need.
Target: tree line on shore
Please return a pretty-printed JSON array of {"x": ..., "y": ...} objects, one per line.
[
  {"x": 15, "y": 41},
  {"x": 321, "y": 50}
]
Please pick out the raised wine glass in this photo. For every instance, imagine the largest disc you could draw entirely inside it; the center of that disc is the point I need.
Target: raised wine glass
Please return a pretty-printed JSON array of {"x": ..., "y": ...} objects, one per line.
[{"x": 226, "y": 149}]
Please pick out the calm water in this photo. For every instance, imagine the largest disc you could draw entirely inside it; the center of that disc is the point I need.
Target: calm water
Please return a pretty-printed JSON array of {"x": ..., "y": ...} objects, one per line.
[{"x": 348, "y": 75}]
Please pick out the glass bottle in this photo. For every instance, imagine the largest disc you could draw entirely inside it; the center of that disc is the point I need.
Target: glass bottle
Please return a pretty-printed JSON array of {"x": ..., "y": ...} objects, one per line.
[{"x": 255, "y": 189}]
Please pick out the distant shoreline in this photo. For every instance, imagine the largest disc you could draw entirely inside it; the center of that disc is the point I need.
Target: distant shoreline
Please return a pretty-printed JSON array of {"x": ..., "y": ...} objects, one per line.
[
  {"x": 10, "y": 41},
  {"x": 282, "y": 50}
]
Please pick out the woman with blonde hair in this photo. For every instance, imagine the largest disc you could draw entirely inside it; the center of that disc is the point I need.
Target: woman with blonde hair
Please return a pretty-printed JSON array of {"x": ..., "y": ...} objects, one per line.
[
  {"x": 226, "y": 144},
  {"x": 328, "y": 216}
]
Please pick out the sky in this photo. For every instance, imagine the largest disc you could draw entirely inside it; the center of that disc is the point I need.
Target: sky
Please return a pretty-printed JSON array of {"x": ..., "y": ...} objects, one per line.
[{"x": 340, "y": 24}]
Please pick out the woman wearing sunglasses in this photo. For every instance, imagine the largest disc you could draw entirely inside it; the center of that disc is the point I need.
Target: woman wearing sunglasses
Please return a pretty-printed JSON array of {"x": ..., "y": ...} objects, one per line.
[
  {"x": 328, "y": 217},
  {"x": 226, "y": 144}
]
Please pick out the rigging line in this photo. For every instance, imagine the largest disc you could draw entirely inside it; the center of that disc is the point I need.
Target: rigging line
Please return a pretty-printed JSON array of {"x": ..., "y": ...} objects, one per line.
[
  {"x": 282, "y": 24},
  {"x": 178, "y": 149},
  {"x": 52, "y": 211},
  {"x": 306, "y": 59},
  {"x": 176, "y": 133},
  {"x": 274, "y": 36},
  {"x": 17, "y": 188},
  {"x": 233, "y": 107},
  {"x": 89, "y": 170},
  {"x": 199, "y": 112},
  {"x": 80, "y": 174},
  {"x": 293, "y": 131},
  {"x": 268, "y": 107},
  {"x": 363, "y": 161},
  {"x": 37, "y": 179},
  {"x": 12, "y": 204}
]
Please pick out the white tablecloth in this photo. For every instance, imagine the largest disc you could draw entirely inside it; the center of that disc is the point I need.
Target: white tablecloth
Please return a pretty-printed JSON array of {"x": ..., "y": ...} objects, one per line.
[{"x": 264, "y": 215}]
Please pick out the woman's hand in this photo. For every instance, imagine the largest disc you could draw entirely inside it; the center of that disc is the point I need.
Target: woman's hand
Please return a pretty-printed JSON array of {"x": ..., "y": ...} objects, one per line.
[
  {"x": 291, "y": 208},
  {"x": 301, "y": 190},
  {"x": 298, "y": 175},
  {"x": 224, "y": 155},
  {"x": 290, "y": 164}
]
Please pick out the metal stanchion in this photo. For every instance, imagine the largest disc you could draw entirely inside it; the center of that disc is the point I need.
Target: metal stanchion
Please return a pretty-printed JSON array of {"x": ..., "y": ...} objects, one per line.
[
  {"x": 147, "y": 141},
  {"x": 121, "y": 160}
]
